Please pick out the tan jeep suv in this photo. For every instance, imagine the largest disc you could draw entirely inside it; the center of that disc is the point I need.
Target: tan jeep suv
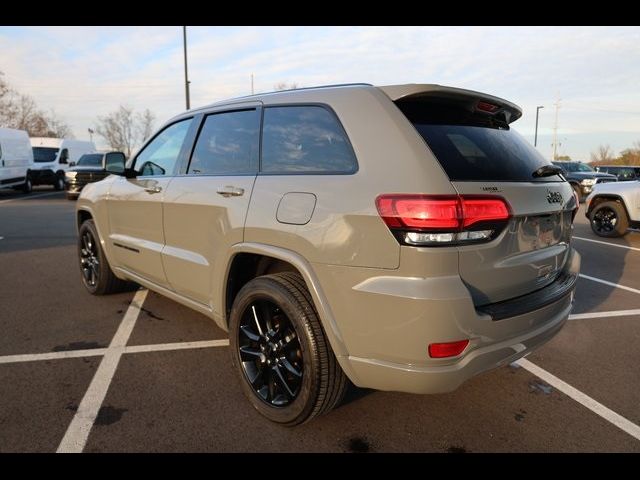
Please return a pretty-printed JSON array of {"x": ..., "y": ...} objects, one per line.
[{"x": 402, "y": 237}]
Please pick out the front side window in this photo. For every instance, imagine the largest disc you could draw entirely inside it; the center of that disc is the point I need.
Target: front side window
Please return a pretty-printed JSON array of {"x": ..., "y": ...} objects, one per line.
[
  {"x": 305, "y": 139},
  {"x": 228, "y": 144},
  {"x": 160, "y": 157}
]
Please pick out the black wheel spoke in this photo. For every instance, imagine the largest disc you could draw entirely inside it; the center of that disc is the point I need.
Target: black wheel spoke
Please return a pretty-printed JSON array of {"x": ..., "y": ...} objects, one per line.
[
  {"x": 290, "y": 368},
  {"x": 249, "y": 334},
  {"x": 282, "y": 381},
  {"x": 250, "y": 353}
]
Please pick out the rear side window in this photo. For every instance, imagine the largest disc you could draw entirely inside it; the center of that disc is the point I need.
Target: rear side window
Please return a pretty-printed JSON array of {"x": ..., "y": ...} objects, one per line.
[
  {"x": 227, "y": 145},
  {"x": 471, "y": 150},
  {"x": 305, "y": 140}
]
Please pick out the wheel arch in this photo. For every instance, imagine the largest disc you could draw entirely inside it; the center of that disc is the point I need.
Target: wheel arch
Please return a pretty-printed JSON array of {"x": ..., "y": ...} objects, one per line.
[
  {"x": 246, "y": 261},
  {"x": 604, "y": 197}
]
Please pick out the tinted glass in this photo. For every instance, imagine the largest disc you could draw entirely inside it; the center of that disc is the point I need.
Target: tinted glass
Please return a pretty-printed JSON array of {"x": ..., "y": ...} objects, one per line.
[
  {"x": 574, "y": 167},
  {"x": 305, "y": 139},
  {"x": 227, "y": 144},
  {"x": 161, "y": 155},
  {"x": 472, "y": 147},
  {"x": 115, "y": 162},
  {"x": 44, "y": 154},
  {"x": 90, "y": 160}
]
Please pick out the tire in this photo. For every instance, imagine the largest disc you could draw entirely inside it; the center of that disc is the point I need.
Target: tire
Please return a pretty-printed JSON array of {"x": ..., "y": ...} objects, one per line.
[
  {"x": 27, "y": 188},
  {"x": 576, "y": 189},
  {"x": 95, "y": 271},
  {"x": 263, "y": 348},
  {"x": 609, "y": 219},
  {"x": 58, "y": 183}
]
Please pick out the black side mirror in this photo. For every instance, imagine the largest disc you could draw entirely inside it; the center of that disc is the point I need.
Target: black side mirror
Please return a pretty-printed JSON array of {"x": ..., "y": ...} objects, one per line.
[{"x": 113, "y": 162}]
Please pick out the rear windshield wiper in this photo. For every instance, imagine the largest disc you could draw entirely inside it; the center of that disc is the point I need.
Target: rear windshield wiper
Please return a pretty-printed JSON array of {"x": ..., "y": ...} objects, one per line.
[{"x": 547, "y": 171}]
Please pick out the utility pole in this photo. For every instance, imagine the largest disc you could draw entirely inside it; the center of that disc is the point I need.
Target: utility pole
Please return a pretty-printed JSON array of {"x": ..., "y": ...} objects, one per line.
[
  {"x": 252, "y": 84},
  {"x": 186, "y": 75},
  {"x": 555, "y": 131},
  {"x": 535, "y": 138}
]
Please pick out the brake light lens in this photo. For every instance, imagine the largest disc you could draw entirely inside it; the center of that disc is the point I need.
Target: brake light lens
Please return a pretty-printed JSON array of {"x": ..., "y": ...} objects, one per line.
[
  {"x": 487, "y": 107},
  {"x": 442, "y": 219},
  {"x": 449, "y": 349}
]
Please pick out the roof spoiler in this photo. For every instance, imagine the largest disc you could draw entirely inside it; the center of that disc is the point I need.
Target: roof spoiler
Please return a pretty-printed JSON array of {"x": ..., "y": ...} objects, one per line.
[{"x": 474, "y": 102}]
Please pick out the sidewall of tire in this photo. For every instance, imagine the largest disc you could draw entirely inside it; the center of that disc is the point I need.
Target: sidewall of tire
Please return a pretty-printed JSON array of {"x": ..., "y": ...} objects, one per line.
[{"x": 303, "y": 405}]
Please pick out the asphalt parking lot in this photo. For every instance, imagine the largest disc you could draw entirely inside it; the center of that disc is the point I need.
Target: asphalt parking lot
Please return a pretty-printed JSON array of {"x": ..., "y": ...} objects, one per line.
[{"x": 105, "y": 374}]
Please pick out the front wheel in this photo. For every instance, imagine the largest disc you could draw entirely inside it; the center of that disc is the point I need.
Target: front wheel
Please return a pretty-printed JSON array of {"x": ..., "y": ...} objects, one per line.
[
  {"x": 288, "y": 370},
  {"x": 609, "y": 219},
  {"x": 58, "y": 183},
  {"x": 97, "y": 276}
]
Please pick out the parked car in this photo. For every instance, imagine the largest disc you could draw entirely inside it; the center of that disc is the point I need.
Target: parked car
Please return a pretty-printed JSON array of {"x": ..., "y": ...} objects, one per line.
[
  {"x": 382, "y": 235},
  {"x": 16, "y": 160},
  {"x": 91, "y": 167},
  {"x": 582, "y": 177},
  {"x": 623, "y": 172},
  {"x": 613, "y": 208},
  {"x": 54, "y": 156}
]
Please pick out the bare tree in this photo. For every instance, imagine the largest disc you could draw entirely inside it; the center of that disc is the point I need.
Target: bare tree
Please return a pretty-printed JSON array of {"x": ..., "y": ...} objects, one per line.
[
  {"x": 125, "y": 130},
  {"x": 146, "y": 120},
  {"x": 285, "y": 86},
  {"x": 602, "y": 155},
  {"x": 21, "y": 112}
]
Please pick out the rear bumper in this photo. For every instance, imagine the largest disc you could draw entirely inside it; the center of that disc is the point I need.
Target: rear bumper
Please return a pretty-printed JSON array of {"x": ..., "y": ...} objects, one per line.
[
  {"x": 390, "y": 321},
  {"x": 441, "y": 379}
]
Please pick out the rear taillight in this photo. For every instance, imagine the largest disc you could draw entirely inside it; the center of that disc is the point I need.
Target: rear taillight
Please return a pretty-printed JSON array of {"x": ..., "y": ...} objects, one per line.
[{"x": 432, "y": 220}]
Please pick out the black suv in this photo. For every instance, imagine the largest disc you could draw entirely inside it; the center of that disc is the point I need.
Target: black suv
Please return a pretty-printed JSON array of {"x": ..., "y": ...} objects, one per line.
[
  {"x": 623, "y": 172},
  {"x": 582, "y": 177}
]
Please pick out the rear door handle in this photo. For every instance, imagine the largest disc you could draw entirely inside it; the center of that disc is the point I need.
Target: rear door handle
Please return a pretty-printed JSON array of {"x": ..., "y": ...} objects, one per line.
[
  {"x": 231, "y": 191},
  {"x": 153, "y": 189}
]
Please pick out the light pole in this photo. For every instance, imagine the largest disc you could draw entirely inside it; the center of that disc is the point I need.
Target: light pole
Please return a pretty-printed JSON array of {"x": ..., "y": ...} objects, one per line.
[
  {"x": 91, "y": 132},
  {"x": 186, "y": 76},
  {"x": 535, "y": 138}
]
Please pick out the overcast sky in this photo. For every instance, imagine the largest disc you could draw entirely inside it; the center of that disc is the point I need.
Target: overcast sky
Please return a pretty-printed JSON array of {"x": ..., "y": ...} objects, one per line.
[{"x": 83, "y": 72}]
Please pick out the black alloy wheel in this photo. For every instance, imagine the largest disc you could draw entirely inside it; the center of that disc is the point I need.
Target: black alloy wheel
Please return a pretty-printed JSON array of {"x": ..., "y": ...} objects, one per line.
[
  {"x": 89, "y": 259},
  {"x": 609, "y": 219},
  {"x": 270, "y": 353}
]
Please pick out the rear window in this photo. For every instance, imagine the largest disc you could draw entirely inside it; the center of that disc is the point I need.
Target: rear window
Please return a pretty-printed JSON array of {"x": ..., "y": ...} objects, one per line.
[
  {"x": 305, "y": 140},
  {"x": 474, "y": 149}
]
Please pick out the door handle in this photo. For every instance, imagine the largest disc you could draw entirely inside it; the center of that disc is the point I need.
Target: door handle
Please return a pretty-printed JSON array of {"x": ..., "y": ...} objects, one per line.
[
  {"x": 231, "y": 191},
  {"x": 153, "y": 189}
]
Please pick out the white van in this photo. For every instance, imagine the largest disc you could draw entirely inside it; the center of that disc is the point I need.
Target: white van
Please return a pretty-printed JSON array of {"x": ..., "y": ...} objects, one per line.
[
  {"x": 16, "y": 159},
  {"x": 53, "y": 156}
]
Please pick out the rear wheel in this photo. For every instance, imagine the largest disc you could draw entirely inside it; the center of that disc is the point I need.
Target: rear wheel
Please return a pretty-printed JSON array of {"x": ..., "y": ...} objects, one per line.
[
  {"x": 288, "y": 370},
  {"x": 96, "y": 273},
  {"x": 28, "y": 185},
  {"x": 609, "y": 219}
]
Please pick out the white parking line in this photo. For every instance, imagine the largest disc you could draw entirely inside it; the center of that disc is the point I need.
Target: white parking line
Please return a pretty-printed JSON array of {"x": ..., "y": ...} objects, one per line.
[
  {"x": 611, "y": 284},
  {"x": 606, "y": 243},
  {"x": 614, "y": 313},
  {"x": 28, "y": 197},
  {"x": 77, "y": 434},
  {"x": 93, "y": 352},
  {"x": 584, "y": 400},
  {"x": 163, "y": 347}
]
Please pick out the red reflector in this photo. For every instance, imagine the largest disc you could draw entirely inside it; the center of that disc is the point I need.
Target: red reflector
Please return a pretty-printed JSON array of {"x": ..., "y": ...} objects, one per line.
[
  {"x": 450, "y": 213},
  {"x": 450, "y": 349},
  {"x": 487, "y": 107}
]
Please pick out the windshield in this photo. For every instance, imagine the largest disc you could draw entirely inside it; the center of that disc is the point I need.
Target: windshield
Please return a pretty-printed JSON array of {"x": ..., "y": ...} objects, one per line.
[
  {"x": 574, "y": 167},
  {"x": 90, "y": 160},
  {"x": 44, "y": 154}
]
